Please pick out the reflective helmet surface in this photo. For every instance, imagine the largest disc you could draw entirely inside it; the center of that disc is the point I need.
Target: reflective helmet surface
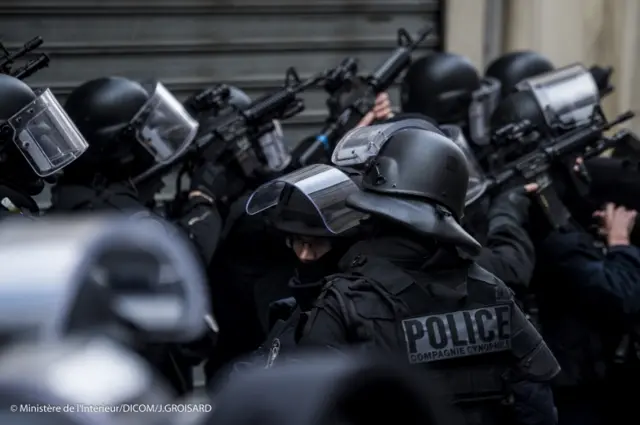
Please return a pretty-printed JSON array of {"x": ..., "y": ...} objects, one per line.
[
  {"x": 102, "y": 109},
  {"x": 104, "y": 106},
  {"x": 440, "y": 86},
  {"x": 413, "y": 175},
  {"x": 129, "y": 125},
  {"x": 511, "y": 68}
]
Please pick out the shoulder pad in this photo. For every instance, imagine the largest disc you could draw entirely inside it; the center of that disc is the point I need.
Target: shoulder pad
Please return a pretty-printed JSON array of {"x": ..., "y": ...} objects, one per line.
[
  {"x": 502, "y": 291},
  {"x": 340, "y": 280},
  {"x": 393, "y": 279},
  {"x": 478, "y": 273}
]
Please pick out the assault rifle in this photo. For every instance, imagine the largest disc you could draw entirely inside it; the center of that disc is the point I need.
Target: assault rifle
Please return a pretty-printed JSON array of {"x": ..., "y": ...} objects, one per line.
[
  {"x": 341, "y": 79},
  {"x": 520, "y": 138},
  {"x": 251, "y": 123},
  {"x": 7, "y": 60},
  {"x": 377, "y": 82},
  {"x": 534, "y": 167}
]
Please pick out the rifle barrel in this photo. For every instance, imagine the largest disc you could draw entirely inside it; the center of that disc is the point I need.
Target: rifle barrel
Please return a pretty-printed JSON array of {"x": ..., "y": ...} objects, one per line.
[
  {"x": 422, "y": 35},
  {"x": 620, "y": 119}
]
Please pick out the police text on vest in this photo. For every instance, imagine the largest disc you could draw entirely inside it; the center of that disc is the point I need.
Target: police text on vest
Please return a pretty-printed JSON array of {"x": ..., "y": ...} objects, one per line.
[{"x": 458, "y": 334}]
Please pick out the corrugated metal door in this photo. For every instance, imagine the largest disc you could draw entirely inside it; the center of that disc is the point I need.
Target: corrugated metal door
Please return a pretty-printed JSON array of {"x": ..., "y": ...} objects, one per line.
[{"x": 190, "y": 44}]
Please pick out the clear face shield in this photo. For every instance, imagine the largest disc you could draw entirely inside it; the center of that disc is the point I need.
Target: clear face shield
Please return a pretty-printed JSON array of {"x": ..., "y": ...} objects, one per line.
[
  {"x": 361, "y": 144},
  {"x": 325, "y": 187},
  {"x": 484, "y": 101},
  {"x": 46, "y": 136},
  {"x": 274, "y": 149},
  {"x": 568, "y": 97},
  {"x": 477, "y": 181},
  {"x": 163, "y": 126}
]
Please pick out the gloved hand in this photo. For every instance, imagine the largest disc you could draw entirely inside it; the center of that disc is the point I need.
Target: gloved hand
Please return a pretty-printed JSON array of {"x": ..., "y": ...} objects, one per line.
[
  {"x": 280, "y": 310},
  {"x": 511, "y": 207},
  {"x": 211, "y": 179}
]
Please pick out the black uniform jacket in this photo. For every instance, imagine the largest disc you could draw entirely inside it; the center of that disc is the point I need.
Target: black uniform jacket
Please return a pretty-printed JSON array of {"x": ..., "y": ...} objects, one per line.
[
  {"x": 200, "y": 220},
  {"x": 339, "y": 321}
]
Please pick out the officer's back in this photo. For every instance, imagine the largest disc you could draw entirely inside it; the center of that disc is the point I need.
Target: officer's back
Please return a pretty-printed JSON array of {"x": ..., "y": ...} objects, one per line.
[{"x": 414, "y": 287}]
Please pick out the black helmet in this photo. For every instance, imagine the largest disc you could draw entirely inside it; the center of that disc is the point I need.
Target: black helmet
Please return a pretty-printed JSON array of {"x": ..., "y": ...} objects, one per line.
[
  {"x": 414, "y": 176},
  {"x": 129, "y": 127},
  {"x": 447, "y": 88},
  {"x": 553, "y": 102},
  {"x": 512, "y": 68},
  {"x": 37, "y": 138},
  {"x": 309, "y": 202},
  {"x": 478, "y": 183}
]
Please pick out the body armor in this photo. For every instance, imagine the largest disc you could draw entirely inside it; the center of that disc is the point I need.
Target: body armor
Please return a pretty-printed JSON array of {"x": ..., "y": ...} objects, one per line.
[{"x": 463, "y": 324}]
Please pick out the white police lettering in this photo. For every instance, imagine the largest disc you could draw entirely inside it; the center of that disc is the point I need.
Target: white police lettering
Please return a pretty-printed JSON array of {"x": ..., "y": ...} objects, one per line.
[{"x": 458, "y": 334}]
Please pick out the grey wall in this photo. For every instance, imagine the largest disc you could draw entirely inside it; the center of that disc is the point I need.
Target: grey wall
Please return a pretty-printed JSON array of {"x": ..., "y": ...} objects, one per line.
[{"x": 190, "y": 44}]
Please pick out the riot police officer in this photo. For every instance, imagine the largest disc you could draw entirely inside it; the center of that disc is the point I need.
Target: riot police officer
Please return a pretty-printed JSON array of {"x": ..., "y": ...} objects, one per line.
[
  {"x": 414, "y": 287},
  {"x": 130, "y": 127},
  {"x": 448, "y": 88},
  {"x": 37, "y": 141},
  {"x": 549, "y": 117},
  {"x": 319, "y": 228},
  {"x": 511, "y": 68},
  {"x": 247, "y": 277}
]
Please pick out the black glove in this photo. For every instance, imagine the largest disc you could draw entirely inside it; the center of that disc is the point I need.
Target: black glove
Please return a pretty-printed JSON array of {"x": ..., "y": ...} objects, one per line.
[
  {"x": 280, "y": 310},
  {"x": 210, "y": 179},
  {"x": 510, "y": 207}
]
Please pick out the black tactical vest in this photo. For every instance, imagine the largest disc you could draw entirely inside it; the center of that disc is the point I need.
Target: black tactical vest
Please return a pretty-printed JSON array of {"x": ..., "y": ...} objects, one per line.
[{"x": 461, "y": 324}]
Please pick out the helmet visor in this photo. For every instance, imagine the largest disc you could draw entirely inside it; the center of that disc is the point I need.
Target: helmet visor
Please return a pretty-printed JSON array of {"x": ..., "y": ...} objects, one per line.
[
  {"x": 567, "y": 97},
  {"x": 361, "y": 144},
  {"x": 477, "y": 181},
  {"x": 46, "y": 136},
  {"x": 163, "y": 126},
  {"x": 484, "y": 102},
  {"x": 326, "y": 188}
]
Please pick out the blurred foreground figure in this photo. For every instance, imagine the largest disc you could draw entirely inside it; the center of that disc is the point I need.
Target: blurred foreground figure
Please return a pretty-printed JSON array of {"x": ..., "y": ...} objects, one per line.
[
  {"x": 334, "y": 388},
  {"x": 86, "y": 381},
  {"x": 132, "y": 280},
  {"x": 136, "y": 279}
]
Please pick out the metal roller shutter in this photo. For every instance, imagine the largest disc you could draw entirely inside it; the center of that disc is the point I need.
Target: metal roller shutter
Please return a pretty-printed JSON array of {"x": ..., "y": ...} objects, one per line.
[{"x": 190, "y": 44}]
